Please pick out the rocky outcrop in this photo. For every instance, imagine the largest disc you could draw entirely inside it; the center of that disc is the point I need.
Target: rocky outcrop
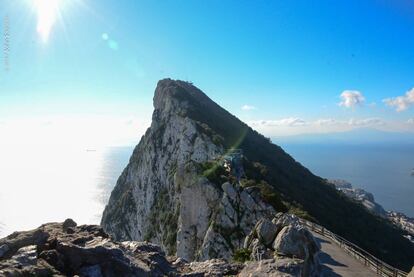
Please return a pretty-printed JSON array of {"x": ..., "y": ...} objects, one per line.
[
  {"x": 286, "y": 241},
  {"x": 65, "y": 249},
  {"x": 214, "y": 267},
  {"x": 402, "y": 221},
  {"x": 175, "y": 191},
  {"x": 162, "y": 195},
  {"x": 360, "y": 195},
  {"x": 213, "y": 222},
  {"x": 283, "y": 267},
  {"x": 146, "y": 202}
]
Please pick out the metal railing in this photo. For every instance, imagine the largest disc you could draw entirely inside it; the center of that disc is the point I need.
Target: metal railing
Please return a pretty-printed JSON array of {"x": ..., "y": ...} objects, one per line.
[{"x": 375, "y": 264}]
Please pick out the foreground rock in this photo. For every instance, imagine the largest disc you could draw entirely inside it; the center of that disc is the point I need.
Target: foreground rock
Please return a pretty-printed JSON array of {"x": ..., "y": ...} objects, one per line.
[
  {"x": 274, "y": 268},
  {"x": 283, "y": 240},
  {"x": 65, "y": 249}
]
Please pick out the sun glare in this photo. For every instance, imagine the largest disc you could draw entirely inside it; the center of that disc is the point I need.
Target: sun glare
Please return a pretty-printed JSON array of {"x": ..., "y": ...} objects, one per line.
[{"x": 47, "y": 12}]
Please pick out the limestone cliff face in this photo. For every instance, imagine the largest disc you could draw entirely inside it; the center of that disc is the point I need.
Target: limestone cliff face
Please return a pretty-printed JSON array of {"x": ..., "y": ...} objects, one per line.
[
  {"x": 162, "y": 197},
  {"x": 175, "y": 192}
]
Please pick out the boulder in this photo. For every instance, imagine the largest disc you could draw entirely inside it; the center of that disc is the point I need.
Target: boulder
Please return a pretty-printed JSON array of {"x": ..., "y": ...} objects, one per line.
[
  {"x": 285, "y": 219},
  {"x": 274, "y": 268},
  {"x": 68, "y": 223},
  {"x": 299, "y": 243},
  {"x": 266, "y": 231},
  {"x": 4, "y": 249},
  {"x": 284, "y": 238}
]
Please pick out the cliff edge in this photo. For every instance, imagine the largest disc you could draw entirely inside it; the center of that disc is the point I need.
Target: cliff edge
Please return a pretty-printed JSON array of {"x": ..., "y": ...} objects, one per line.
[{"x": 176, "y": 192}]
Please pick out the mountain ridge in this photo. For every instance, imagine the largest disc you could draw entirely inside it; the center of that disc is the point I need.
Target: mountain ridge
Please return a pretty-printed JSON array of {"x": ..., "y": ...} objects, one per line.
[{"x": 187, "y": 134}]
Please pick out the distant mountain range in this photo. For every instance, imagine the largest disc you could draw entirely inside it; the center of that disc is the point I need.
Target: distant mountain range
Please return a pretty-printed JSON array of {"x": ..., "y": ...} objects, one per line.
[{"x": 356, "y": 136}]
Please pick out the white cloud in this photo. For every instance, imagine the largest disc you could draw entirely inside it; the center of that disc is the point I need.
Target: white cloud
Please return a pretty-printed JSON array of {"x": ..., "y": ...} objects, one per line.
[
  {"x": 295, "y": 126},
  {"x": 410, "y": 121},
  {"x": 366, "y": 122},
  {"x": 248, "y": 108},
  {"x": 325, "y": 122},
  {"x": 351, "y": 98},
  {"x": 290, "y": 121},
  {"x": 401, "y": 103}
]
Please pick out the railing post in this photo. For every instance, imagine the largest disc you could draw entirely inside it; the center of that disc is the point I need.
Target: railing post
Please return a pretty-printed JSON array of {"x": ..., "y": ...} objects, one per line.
[{"x": 379, "y": 269}]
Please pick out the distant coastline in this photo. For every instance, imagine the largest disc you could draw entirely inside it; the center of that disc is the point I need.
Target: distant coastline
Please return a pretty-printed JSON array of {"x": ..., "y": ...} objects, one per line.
[{"x": 367, "y": 199}]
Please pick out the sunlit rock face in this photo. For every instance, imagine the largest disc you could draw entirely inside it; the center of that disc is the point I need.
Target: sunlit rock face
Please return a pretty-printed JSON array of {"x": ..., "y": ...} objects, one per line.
[
  {"x": 162, "y": 196},
  {"x": 145, "y": 204},
  {"x": 175, "y": 191}
]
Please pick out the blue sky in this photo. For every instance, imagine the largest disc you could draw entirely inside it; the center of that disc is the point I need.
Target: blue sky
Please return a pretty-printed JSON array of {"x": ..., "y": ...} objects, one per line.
[{"x": 281, "y": 66}]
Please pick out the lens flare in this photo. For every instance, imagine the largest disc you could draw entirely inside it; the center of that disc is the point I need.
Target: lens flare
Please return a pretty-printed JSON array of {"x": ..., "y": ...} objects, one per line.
[{"x": 47, "y": 12}]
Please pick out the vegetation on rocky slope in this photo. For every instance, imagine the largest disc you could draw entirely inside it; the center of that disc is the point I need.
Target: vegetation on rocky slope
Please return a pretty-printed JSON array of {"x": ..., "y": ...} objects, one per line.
[{"x": 163, "y": 216}]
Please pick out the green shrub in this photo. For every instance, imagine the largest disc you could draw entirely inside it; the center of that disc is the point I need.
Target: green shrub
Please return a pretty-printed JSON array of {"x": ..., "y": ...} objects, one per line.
[
  {"x": 242, "y": 255},
  {"x": 214, "y": 172}
]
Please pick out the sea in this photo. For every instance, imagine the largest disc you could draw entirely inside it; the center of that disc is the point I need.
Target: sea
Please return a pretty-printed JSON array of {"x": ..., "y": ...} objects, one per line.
[
  {"x": 50, "y": 183},
  {"x": 385, "y": 170},
  {"x": 38, "y": 185}
]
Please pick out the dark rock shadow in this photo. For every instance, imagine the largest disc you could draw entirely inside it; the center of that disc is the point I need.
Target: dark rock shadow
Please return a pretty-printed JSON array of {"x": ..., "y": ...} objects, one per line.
[
  {"x": 325, "y": 258},
  {"x": 327, "y": 272},
  {"x": 320, "y": 240}
]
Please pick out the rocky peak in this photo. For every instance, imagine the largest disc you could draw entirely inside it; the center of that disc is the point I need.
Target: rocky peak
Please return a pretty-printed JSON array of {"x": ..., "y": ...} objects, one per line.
[
  {"x": 167, "y": 98},
  {"x": 175, "y": 191},
  {"x": 166, "y": 195}
]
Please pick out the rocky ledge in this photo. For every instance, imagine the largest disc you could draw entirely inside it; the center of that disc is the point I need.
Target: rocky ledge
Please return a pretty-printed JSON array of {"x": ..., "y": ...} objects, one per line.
[
  {"x": 364, "y": 197},
  {"x": 65, "y": 249},
  {"x": 404, "y": 222},
  {"x": 400, "y": 220}
]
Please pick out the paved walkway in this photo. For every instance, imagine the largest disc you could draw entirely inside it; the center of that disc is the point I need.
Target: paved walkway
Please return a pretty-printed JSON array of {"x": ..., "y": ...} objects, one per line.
[{"x": 336, "y": 262}]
